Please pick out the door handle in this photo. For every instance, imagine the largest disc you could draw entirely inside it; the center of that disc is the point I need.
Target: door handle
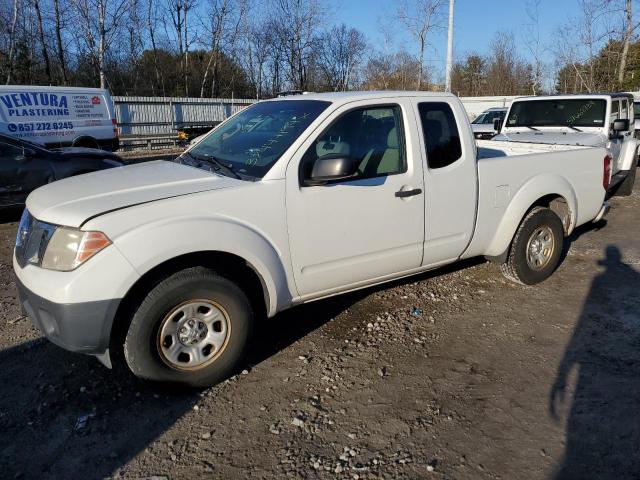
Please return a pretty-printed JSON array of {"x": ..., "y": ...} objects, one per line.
[{"x": 408, "y": 193}]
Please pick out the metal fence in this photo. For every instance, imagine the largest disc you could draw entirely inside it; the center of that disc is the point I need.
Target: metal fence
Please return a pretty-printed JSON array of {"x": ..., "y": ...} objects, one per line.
[{"x": 165, "y": 115}]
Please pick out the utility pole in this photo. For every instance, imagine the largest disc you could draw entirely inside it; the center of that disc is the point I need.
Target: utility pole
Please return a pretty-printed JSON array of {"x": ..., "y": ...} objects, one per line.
[{"x": 447, "y": 86}]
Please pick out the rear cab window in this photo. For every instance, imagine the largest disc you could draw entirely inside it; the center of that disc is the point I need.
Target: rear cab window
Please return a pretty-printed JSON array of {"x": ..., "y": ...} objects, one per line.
[{"x": 441, "y": 135}]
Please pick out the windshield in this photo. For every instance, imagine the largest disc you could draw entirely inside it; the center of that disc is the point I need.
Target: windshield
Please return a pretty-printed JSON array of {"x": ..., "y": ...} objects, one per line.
[
  {"x": 252, "y": 141},
  {"x": 553, "y": 113},
  {"x": 636, "y": 110},
  {"x": 487, "y": 118}
]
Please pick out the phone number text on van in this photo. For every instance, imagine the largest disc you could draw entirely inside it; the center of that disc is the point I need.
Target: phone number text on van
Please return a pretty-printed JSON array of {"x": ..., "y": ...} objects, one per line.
[{"x": 39, "y": 126}]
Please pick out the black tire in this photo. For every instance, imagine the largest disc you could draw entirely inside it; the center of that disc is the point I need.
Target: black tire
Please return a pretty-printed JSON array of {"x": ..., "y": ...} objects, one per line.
[
  {"x": 142, "y": 344},
  {"x": 626, "y": 187},
  {"x": 517, "y": 267}
]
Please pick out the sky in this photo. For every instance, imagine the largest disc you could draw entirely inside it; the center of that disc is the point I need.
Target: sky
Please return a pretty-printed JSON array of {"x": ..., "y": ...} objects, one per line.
[{"x": 476, "y": 22}]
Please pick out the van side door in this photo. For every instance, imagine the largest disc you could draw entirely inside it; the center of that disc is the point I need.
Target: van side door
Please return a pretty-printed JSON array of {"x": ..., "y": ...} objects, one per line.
[{"x": 451, "y": 184}]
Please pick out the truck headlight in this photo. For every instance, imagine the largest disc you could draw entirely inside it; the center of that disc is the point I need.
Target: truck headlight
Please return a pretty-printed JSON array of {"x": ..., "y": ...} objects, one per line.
[
  {"x": 69, "y": 248},
  {"x": 55, "y": 247}
]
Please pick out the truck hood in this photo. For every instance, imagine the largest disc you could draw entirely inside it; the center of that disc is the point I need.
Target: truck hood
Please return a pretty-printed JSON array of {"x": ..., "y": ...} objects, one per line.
[
  {"x": 556, "y": 137},
  {"x": 74, "y": 200}
]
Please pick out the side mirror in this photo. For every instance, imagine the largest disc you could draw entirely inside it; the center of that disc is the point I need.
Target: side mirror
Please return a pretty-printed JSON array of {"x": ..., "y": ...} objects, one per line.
[
  {"x": 497, "y": 124},
  {"x": 620, "y": 125},
  {"x": 330, "y": 168}
]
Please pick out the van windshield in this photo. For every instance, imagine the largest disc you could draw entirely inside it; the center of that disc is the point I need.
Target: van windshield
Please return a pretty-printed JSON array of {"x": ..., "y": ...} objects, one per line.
[
  {"x": 251, "y": 142},
  {"x": 554, "y": 113}
]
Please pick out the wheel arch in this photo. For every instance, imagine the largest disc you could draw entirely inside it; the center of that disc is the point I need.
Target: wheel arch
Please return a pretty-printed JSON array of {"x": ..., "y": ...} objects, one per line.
[
  {"x": 536, "y": 193},
  {"x": 230, "y": 265},
  {"x": 83, "y": 140}
]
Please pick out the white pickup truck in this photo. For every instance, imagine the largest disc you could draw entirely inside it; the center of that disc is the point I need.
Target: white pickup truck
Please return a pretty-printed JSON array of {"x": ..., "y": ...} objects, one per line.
[
  {"x": 603, "y": 120},
  {"x": 289, "y": 201}
]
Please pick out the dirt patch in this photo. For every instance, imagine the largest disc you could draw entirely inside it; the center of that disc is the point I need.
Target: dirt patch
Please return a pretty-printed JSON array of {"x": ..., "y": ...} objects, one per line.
[{"x": 454, "y": 374}]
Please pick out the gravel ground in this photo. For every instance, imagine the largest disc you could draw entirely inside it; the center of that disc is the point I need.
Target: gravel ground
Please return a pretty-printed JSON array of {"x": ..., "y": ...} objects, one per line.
[{"x": 455, "y": 374}]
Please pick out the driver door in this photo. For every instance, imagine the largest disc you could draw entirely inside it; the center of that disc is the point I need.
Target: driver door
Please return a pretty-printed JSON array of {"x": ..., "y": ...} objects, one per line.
[{"x": 355, "y": 231}]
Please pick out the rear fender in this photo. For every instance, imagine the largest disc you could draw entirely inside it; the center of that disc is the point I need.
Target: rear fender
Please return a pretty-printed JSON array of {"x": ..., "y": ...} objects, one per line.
[{"x": 530, "y": 194}]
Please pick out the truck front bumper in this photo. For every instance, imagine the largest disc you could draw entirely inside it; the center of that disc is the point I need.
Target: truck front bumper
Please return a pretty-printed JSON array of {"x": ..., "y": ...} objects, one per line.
[
  {"x": 76, "y": 310},
  {"x": 77, "y": 327}
]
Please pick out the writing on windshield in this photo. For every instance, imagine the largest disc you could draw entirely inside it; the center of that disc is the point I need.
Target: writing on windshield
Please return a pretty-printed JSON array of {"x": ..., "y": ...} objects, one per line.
[{"x": 252, "y": 142}]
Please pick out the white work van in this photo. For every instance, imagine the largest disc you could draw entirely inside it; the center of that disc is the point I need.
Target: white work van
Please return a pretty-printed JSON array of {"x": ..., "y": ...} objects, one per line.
[
  {"x": 59, "y": 116},
  {"x": 290, "y": 200}
]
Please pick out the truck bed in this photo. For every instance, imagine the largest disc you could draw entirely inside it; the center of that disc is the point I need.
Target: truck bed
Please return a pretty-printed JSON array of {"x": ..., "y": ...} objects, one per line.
[{"x": 511, "y": 176}]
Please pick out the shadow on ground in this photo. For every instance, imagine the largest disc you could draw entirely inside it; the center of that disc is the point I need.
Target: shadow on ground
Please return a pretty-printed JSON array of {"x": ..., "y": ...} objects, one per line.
[
  {"x": 63, "y": 415},
  {"x": 603, "y": 426}
]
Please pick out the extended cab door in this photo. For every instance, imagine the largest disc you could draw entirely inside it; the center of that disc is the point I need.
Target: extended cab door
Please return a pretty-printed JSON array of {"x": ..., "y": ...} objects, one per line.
[
  {"x": 351, "y": 232},
  {"x": 451, "y": 184}
]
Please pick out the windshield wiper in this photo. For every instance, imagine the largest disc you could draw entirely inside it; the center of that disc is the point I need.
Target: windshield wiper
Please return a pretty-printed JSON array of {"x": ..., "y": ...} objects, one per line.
[
  {"x": 217, "y": 165},
  {"x": 574, "y": 128},
  {"x": 532, "y": 128}
]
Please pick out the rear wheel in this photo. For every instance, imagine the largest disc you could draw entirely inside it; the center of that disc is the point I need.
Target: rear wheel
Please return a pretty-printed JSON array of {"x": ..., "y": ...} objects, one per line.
[
  {"x": 536, "y": 248},
  {"x": 192, "y": 328}
]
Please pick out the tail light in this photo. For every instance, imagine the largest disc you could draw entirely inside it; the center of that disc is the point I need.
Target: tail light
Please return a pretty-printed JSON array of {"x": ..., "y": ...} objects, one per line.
[
  {"x": 114, "y": 122},
  {"x": 606, "y": 174}
]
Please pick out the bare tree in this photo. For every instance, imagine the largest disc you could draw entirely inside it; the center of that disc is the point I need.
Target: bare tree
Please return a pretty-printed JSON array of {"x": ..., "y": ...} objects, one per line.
[
  {"x": 100, "y": 21},
  {"x": 421, "y": 18},
  {"x": 340, "y": 53},
  {"x": 43, "y": 43},
  {"x": 224, "y": 21},
  {"x": 179, "y": 10},
  {"x": 60, "y": 47},
  {"x": 626, "y": 41},
  {"x": 396, "y": 71},
  {"x": 296, "y": 23},
  {"x": 151, "y": 26},
  {"x": 12, "y": 41},
  {"x": 533, "y": 43}
]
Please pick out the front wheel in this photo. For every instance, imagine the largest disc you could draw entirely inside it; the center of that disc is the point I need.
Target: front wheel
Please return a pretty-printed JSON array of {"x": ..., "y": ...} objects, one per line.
[
  {"x": 536, "y": 248},
  {"x": 192, "y": 328}
]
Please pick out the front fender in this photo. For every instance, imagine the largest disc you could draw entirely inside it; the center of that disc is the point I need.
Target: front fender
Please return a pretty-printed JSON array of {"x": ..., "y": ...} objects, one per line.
[
  {"x": 527, "y": 195},
  {"x": 628, "y": 153},
  {"x": 154, "y": 243}
]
